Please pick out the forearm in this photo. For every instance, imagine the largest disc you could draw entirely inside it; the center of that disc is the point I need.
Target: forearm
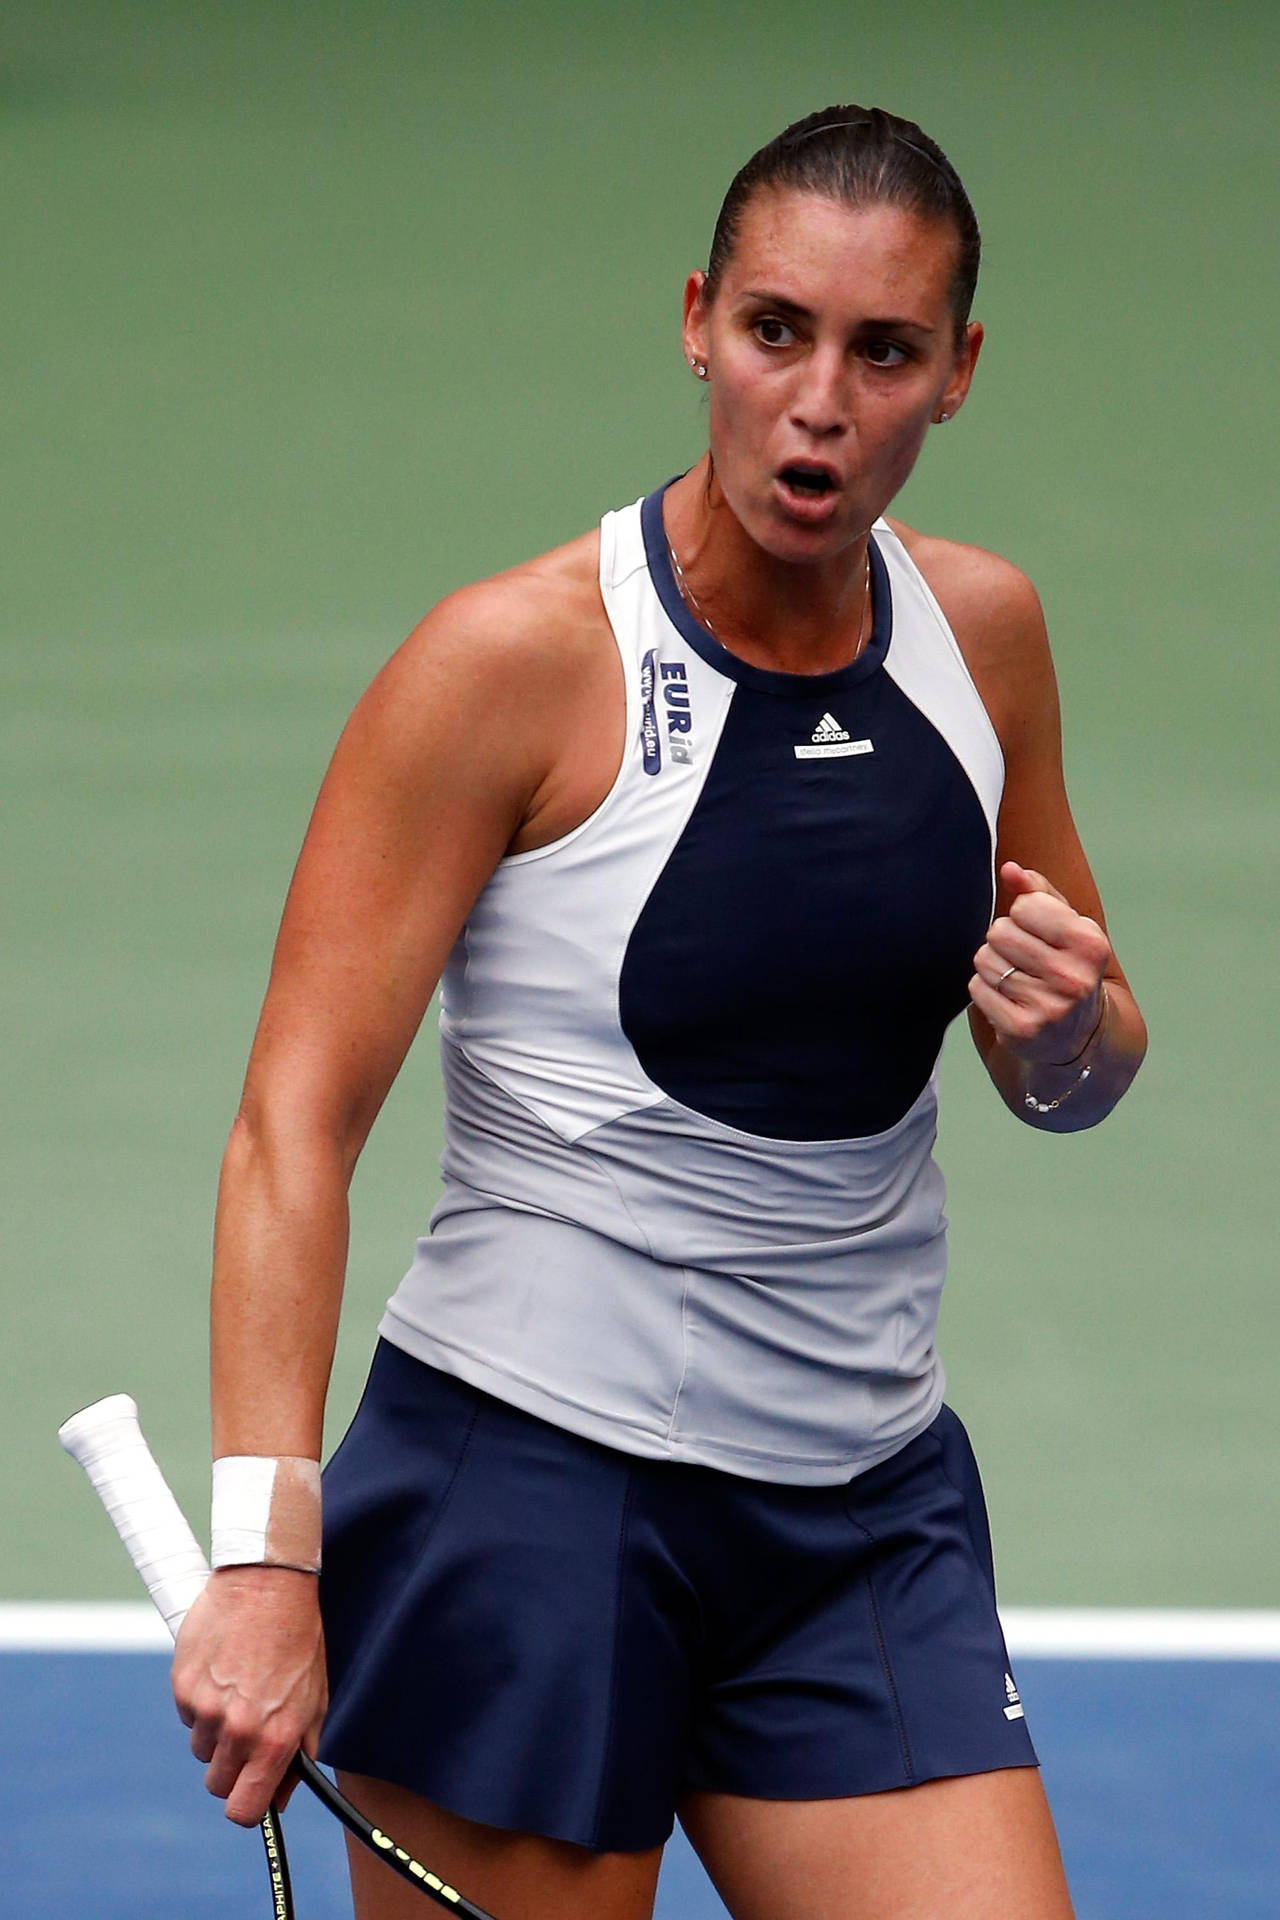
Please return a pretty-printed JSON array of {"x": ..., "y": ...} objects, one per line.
[
  {"x": 248, "y": 1673},
  {"x": 280, "y": 1248},
  {"x": 1069, "y": 1096}
]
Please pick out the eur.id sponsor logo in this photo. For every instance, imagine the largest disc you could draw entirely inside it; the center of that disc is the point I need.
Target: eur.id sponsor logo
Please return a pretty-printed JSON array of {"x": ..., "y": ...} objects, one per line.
[{"x": 670, "y": 679}]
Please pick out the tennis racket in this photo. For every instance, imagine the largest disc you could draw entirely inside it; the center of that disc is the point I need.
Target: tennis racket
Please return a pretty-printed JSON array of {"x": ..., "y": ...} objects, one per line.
[{"x": 108, "y": 1443}]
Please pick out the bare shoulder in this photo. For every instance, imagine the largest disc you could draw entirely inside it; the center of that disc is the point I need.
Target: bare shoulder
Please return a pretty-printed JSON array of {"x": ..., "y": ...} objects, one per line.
[
  {"x": 509, "y": 691},
  {"x": 483, "y": 666},
  {"x": 995, "y": 614},
  {"x": 977, "y": 590},
  {"x": 518, "y": 628}
]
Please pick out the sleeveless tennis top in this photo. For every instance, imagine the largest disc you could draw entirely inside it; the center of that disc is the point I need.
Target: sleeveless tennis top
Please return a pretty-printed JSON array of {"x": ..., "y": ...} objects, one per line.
[{"x": 690, "y": 1204}]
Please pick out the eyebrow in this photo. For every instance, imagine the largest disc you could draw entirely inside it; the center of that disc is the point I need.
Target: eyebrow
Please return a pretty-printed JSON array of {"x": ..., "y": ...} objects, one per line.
[{"x": 762, "y": 296}]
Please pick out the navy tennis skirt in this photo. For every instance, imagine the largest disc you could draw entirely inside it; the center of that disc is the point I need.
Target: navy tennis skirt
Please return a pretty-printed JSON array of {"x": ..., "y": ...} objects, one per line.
[{"x": 543, "y": 1634}]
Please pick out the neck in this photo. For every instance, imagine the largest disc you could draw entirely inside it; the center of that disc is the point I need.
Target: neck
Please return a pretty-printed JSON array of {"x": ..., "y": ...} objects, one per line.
[{"x": 790, "y": 616}]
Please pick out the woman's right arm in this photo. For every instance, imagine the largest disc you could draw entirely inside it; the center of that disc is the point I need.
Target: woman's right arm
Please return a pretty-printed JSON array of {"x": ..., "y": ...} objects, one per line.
[{"x": 443, "y": 759}]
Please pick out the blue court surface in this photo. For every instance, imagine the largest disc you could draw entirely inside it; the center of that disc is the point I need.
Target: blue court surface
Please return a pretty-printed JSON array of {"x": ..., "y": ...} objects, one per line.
[{"x": 1164, "y": 1775}]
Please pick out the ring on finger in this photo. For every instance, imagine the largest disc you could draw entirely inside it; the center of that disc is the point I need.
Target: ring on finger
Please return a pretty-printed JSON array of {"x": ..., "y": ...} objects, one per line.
[{"x": 1006, "y": 975}]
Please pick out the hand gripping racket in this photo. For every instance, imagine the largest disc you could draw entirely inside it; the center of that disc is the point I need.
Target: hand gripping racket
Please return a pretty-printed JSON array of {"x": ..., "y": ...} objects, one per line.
[{"x": 107, "y": 1441}]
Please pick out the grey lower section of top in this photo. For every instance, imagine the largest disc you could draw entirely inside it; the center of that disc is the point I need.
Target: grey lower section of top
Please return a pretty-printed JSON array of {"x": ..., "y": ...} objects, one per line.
[{"x": 672, "y": 1288}]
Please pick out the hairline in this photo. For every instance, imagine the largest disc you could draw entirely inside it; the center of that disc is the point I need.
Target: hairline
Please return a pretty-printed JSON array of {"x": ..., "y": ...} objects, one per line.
[{"x": 858, "y": 203}]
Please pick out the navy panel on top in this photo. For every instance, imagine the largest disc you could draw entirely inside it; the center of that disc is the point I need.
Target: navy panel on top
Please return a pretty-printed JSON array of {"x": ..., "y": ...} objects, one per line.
[
  {"x": 658, "y": 555},
  {"x": 812, "y": 933}
]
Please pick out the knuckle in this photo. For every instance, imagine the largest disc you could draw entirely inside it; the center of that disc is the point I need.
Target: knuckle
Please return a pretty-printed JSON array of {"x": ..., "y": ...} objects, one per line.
[
  {"x": 203, "y": 1741},
  {"x": 205, "y": 1701},
  {"x": 239, "y": 1727}
]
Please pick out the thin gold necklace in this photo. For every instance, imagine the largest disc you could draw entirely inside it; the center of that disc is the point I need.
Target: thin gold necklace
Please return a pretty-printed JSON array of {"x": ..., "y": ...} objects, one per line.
[{"x": 690, "y": 598}]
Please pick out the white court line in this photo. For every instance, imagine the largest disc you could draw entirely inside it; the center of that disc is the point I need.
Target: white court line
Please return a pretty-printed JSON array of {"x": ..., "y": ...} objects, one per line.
[
  {"x": 81, "y": 1626},
  {"x": 1142, "y": 1633},
  {"x": 1045, "y": 1633}
]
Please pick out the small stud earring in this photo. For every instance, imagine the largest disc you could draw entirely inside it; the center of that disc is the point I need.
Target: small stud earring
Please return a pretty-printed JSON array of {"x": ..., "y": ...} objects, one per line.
[
  {"x": 943, "y": 418},
  {"x": 698, "y": 368}
]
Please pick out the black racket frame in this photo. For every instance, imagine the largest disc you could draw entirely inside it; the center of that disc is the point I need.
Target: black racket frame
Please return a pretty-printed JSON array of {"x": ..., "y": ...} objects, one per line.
[{"x": 379, "y": 1843}]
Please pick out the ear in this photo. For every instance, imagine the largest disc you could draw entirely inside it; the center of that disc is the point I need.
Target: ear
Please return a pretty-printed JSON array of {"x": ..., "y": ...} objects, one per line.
[
  {"x": 693, "y": 332},
  {"x": 961, "y": 376}
]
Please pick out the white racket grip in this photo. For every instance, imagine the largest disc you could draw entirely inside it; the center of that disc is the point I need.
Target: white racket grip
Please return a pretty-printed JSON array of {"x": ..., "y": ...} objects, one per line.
[{"x": 107, "y": 1441}]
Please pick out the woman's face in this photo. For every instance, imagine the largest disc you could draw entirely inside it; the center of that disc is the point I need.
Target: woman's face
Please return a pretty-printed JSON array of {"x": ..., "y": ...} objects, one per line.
[{"x": 830, "y": 345}]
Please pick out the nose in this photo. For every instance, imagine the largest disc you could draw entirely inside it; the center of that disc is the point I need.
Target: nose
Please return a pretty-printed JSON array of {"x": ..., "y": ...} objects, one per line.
[{"x": 821, "y": 402}]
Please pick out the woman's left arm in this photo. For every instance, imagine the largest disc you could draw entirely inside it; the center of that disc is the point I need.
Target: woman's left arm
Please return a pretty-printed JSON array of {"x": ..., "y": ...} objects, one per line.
[{"x": 1051, "y": 1012}]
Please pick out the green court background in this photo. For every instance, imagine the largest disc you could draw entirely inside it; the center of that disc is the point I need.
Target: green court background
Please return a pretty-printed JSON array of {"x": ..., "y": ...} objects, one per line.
[{"x": 312, "y": 311}]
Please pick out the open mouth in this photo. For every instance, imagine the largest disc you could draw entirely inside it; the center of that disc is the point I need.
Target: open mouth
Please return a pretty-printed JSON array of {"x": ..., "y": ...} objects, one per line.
[{"x": 811, "y": 481}]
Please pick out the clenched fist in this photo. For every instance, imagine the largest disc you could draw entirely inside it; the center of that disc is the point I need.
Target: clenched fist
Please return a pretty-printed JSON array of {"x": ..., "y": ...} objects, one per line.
[{"x": 1038, "y": 975}]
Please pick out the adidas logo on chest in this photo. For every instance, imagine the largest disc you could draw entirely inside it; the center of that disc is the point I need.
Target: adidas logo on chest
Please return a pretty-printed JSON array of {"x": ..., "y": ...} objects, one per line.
[{"x": 830, "y": 741}]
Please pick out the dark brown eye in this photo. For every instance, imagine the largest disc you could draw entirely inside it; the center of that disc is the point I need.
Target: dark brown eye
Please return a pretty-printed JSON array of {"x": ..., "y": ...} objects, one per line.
[
  {"x": 886, "y": 353},
  {"x": 773, "y": 332}
]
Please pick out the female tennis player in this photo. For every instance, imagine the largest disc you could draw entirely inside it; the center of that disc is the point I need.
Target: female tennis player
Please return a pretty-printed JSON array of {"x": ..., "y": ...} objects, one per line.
[{"x": 710, "y": 822}]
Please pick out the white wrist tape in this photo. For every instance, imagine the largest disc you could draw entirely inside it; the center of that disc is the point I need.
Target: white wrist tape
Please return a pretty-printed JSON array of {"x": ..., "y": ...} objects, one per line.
[{"x": 266, "y": 1512}]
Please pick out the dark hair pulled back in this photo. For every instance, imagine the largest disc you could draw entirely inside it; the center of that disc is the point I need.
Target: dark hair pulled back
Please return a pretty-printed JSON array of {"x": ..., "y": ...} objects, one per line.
[{"x": 861, "y": 156}]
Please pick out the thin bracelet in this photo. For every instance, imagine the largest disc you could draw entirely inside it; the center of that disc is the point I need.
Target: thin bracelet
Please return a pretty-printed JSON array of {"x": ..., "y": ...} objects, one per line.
[{"x": 1051, "y": 1106}]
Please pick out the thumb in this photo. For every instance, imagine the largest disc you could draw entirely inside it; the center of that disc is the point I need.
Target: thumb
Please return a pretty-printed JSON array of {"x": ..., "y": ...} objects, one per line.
[{"x": 1019, "y": 879}]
